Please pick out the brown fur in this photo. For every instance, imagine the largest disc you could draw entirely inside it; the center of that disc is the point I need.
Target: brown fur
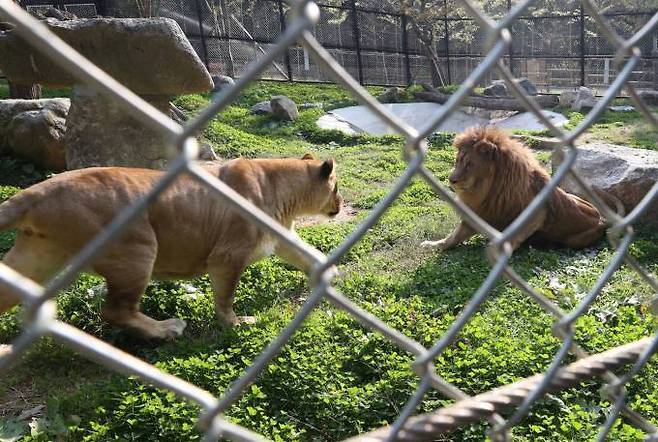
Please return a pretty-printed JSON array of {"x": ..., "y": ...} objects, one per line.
[
  {"x": 497, "y": 177},
  {"x": 186, "y": 232}
]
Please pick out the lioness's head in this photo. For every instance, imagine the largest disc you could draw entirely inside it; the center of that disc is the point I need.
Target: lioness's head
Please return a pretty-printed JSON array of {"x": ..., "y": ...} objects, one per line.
[
  {"x": 477, "y": 151},
  {"x": 325, "y": 196}
]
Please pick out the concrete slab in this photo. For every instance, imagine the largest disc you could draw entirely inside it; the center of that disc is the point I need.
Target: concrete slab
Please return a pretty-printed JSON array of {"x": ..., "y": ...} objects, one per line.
[{"x": 360, "y": 119}]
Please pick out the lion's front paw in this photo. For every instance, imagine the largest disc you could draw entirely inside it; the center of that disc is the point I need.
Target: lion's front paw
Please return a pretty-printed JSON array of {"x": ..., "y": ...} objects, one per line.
[{"x": 441, "y": 244}]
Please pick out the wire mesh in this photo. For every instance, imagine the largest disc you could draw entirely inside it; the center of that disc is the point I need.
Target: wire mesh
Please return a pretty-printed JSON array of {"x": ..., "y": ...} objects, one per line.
[{"x": 41, "y": 321}]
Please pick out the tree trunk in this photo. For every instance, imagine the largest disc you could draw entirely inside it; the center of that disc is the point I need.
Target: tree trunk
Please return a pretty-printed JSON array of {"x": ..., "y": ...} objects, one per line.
[
  {"x": 512, "y": 104},
  {"x": 26, "y": 92}
]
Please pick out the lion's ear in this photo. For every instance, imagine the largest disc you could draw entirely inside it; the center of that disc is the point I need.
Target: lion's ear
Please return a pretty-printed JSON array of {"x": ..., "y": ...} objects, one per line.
[
  {"x": 487, "y": 148},
  {"x": 326, "y": 168},
  {"x": 308, "y": 156}
]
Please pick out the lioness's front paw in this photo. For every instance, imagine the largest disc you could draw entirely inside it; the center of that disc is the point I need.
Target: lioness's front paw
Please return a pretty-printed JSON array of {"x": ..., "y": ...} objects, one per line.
[
  {"x": 441, "y": 244},
  {"x": 172, "y": 328}
]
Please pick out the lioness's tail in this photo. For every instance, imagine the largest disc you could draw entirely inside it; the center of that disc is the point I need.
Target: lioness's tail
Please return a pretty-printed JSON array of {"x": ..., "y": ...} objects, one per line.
[{"x": 12, "y": 210}]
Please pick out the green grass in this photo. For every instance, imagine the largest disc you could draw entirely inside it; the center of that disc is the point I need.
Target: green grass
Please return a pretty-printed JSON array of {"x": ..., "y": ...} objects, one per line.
[{"x": 335, "y": 378}]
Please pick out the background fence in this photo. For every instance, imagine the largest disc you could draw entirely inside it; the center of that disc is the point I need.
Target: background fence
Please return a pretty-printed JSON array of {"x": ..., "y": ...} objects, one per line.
[{"x": 555, "y": 43}]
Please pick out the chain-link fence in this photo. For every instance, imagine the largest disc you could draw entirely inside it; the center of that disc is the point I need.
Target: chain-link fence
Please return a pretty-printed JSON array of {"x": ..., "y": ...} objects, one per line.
[
  {"x": 39, "y": 308},
  {"x": 556, "y": 44}
]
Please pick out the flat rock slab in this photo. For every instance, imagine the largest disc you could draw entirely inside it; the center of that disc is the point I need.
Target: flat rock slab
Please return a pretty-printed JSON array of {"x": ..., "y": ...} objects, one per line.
[
  {"x": 625, "y": 172},
  {"x": 360, "y": 119},
  {"x": 150, "y": 56}
]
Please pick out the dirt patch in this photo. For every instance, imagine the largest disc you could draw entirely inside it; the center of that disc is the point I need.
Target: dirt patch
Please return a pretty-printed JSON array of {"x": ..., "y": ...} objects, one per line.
[{"x": 346, "y": 213}]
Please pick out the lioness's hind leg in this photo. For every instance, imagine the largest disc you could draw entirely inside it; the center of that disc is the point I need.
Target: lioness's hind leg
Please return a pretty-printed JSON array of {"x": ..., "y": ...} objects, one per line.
[
  {"x": 34, "y": 257},
  {"x": 127, "y": 276}
]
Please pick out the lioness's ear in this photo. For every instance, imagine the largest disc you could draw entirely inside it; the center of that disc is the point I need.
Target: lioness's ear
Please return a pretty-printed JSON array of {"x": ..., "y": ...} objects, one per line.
[
  {"x": 486, "y": 148},
  {"x": 308, "y": 156},
  {"x": 326, "y": 168}
]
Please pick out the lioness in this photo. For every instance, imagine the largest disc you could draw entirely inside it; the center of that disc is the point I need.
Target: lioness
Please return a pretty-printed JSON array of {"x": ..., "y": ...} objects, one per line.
[
  {"x": 497, "y": 177},
  {"x": 186, "y": 232}
]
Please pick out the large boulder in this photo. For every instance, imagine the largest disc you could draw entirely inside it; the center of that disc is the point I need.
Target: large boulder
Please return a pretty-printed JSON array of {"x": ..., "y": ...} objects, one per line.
[
  {"x": 391, "y": 95},
  {"x": 114, "y": 134},
  {"x": 497, "y": 88},
  {"x": 584, "y": 100},
  {"x": 261, "y": 108},
  {"x": 221, "y": 82},
  {"x": 34, "y": 130},
  {"x": 649, "y": 97},
  {"x": 623, "y": 172},
  {"x": 284, "y": 108},
  {"x": 152, "y": 57}
]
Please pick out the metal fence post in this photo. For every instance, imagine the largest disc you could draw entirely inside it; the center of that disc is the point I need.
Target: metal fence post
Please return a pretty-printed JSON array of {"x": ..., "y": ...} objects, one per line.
[
  {"x": 282, "y": 24},
  {"x": 446, "y": 29},
  {"x": 511, "y": 44},
  {"x": 405, "y": 48},
  {"x": 582, "y": 46},
  {"x": 202, "y": 34},
  {"x": 357, "y": 40}
]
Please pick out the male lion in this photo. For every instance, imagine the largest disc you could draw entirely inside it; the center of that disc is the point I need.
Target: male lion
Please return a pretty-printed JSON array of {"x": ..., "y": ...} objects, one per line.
[
  {"x": 497, "y": 177},
  {"x": 189, "y": 230}
]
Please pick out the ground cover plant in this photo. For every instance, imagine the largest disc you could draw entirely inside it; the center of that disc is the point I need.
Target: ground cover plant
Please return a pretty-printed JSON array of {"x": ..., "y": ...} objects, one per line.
[{"x": 336, "y": 379}]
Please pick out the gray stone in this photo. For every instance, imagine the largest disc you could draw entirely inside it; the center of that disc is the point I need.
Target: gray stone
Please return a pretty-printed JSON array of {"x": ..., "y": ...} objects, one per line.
[
  {"x": 284, "y": 108},
  {"x": 150, "y": 56},
  {"x": 584, "y": 100},
  {"x": 391, "y": 95},
  {"x": 10, "y": 108},
  {"x": 38, "y": 135},
  {"x": 567, "y": 97},
  {"x": 497, "y": 88},
  {"x": 624, "y": 172},
  {"x": 649, "y": 97},
  {"x": 221, "y": 82},
  {"x": 99, "y": 133},
  {"x": 530, "y": 88},
  {"x": 316, "y": 105},
  {"x": 206, "y": 152},
  {"x": 262, "y": 108}
]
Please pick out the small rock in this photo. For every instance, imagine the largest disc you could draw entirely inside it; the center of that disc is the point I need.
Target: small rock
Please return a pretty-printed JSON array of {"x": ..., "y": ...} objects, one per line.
[
  {"x": 625, "y": 108},
  {"x": 262, "y": 108},
  {"x": 497, "y": 88},
  {"x": 317, "y": 105},
  {"x": 624, "y": 172},
  {"x": 221, "y": 82},
  {"x": 391, "y": 95},
  {"x": 284, "y": 108},
  {"x": 206, "y": 152},
  {"x": 584, "y": 100}
]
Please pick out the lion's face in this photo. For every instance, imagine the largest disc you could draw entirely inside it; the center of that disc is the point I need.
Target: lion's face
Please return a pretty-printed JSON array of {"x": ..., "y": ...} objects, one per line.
[
  {"x": 471, "y": 170},
  {"x": 475, "y": 165},
  {"x": 327, "y": 194}
]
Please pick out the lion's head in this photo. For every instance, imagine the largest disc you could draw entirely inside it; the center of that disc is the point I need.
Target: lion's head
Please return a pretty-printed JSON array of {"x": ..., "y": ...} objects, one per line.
[
  {"x": 475, "y": 165},
  {"x": 326, "y": 194}
]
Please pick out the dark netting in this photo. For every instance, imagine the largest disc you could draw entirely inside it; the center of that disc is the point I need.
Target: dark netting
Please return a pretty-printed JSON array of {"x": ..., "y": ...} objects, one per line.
[
  {"x": 380, "y": 32},
  {"x": 336, "y": 28},
  {"x": 383, "y": 68},
  {"x": 546, "y": 37}
]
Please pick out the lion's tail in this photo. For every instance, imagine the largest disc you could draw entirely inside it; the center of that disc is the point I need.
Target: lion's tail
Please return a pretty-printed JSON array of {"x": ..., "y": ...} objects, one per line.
[
  {"x": 13, "y": 210},
  {"x": 611, "y": 200}
]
